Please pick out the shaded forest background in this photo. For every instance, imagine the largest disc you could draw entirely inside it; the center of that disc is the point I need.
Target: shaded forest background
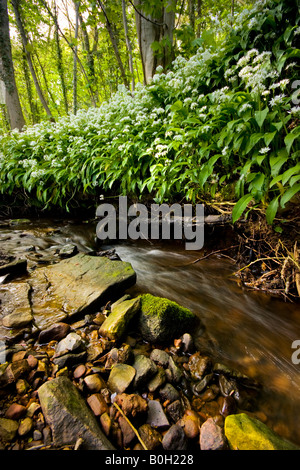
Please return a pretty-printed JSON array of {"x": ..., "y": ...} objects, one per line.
[{"x": 72, "y": 55}]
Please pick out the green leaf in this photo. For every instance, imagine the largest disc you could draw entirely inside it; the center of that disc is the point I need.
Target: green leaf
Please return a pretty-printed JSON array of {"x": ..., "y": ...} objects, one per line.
[
  {"x": 272, "y": 210},
  {"x": 260, "y": 116},
  {"x": 289, "y": 194},
  {"x": 254, "y": 138},
  {"x": 268, "y": 137},
  {"x": 289, "y": 140},
  {"x": 240, "y": 207},
  {"x": 290, "y": 172},
  {"x": 276, "y": 163}
]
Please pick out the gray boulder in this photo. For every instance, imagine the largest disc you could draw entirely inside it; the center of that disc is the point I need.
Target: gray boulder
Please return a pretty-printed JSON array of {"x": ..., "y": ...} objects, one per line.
[
  {"x": 69, "y": 416},
  {"x": 76, "y": 285}
]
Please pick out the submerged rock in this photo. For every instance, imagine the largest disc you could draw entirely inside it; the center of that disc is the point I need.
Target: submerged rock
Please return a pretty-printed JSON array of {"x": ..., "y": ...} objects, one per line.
[
  {"x": 15, "y": 305},
  {"x": 69, "y": 416}
]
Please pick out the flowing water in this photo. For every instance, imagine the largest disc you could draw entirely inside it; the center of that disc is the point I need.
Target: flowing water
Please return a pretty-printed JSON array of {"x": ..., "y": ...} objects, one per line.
[{"x": 248, "y": 330}]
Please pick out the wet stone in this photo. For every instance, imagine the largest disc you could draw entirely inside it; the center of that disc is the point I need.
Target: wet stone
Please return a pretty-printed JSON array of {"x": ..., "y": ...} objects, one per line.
[
  {"x": 169, "y": 392},
  {"x": 120, "y": 377},
  {"x": 159, "y": 356},
  {"x": 156, "y": 416},
  {"x": 57, "y": 331},
  {"x": 211, "y": 436},
  {"x": 150, "y": 437},
  {"x": 145, "y": 369},
  {"x": 174, "y": 439}
]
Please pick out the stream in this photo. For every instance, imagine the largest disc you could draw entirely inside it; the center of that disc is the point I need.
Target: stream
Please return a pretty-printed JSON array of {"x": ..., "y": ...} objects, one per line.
[{"x": 248, "y": 330}]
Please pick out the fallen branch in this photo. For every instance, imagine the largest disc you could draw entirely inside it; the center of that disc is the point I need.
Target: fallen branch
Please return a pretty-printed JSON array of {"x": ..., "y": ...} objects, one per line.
[
  {"x": 210, "y": 254},
  {"x": 131, "y": 425}
]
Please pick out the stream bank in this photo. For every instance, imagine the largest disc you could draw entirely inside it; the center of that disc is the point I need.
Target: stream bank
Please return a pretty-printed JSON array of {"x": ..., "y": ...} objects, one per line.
[{"x": 158, "y": 269}]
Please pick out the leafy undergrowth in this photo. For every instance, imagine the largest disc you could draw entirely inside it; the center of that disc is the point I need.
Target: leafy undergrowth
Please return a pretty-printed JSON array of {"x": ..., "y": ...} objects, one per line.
[{"x": 221, "y": 128}]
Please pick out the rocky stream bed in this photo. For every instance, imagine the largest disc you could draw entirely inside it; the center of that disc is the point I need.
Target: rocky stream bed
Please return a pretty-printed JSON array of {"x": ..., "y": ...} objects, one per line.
[{"x": 85, "y": 365}]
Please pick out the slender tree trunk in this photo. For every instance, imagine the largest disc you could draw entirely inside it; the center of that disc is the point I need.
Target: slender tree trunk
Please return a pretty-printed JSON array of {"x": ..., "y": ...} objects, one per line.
[
  {"x": 90, "y": 53},
  {"x": 192, "y": 14},
  {"x": 199, "y": 14},
  {"x": 114, "y": 44},
  {"x": 152, "y": 29},
  {"x": 15, "y": 4},
  {"x": 7, "y": 75},
  {"x": 60, "y": 67},
  {"x": 28, "y": 87},
  {"x": 75, "y": 100},
  {"x": 128, "y": 45},
  {"x": 44, "y": 3}
]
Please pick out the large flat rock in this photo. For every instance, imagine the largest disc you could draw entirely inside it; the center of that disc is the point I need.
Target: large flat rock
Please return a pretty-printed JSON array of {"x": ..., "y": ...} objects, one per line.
[
  {"x": 77, "y": 285},
  {"x": 69, "y": 417},
  {"x": 15, "y": 309}
]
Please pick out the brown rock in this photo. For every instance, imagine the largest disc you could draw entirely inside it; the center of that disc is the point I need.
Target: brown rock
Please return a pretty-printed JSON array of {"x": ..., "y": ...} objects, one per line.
[
  {"x": 191, "y": 424},
  {"x": 13, "y": 371},
  {"x": 15, "y": 411},
  {"x": 32, "y": 361},
  {"x": 106, "y": 423},
  {"x": 25, "y": 426},
  {"x": 198, "y": 365},
  {"x": 212, "y": 436},
  {"x": 97, "y": 404},
  {"x": 131, "y": 404},
  {"x": 151, "y": 438},
  {"x": 127, "y": 431},
  {"x": 79, "y": 371},
  {"x": 94, "y": 383},
  {"x": 57, "y": 331},
  {"x": 174, "y": 439}
]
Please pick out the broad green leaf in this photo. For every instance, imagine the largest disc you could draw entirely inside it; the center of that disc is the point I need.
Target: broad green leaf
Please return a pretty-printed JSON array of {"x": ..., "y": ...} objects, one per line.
[
  {"x": 276, "y": 163},
  {"x": 268, "y": 137},
  {"x": 289, "y": 140},
  {"x": 272, "y": 210},
  {"x": 254, "y": 138},
  {"x": 240, "y": 206},
  {"x": 275, "y": 180},
  {"x": 260, "y": 116},
  {"x": 289, "y": 194},
  {"x": 290, "y": 172}
]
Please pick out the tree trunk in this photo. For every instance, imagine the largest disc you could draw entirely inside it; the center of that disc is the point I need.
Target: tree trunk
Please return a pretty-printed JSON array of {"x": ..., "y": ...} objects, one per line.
[
  {"x": 114, "y": 44},
  {"x": 75, "y": 103},
  {"x": 192, "y": 14},
  {"x": 7, "y": 75},
  {"x": 15, "y": 4},
  {"x": 128, "y": 45},
  {"x": 90, "y": 53},
  {"x": 60, "y": 67},
  {"x": 152, "y": 29}
]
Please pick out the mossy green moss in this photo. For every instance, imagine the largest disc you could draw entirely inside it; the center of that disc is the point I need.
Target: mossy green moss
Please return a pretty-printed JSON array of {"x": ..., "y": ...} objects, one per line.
[
  {"x": 160, "y": 306},
  {"x": 163, "y": 319}
]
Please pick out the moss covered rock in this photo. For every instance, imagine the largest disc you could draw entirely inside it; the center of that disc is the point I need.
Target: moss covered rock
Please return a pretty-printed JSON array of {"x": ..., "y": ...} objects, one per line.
[
  {"x": 246, "y": 433},
  {"x": 162, "y": 320}
]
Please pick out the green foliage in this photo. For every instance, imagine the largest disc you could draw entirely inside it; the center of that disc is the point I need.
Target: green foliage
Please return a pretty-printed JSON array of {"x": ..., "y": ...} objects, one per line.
[{"x": 225, "y": 118}]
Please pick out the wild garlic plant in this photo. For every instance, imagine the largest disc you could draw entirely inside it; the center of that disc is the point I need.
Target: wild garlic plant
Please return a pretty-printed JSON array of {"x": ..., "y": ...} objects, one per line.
[{"x": 221, "y": 125}]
